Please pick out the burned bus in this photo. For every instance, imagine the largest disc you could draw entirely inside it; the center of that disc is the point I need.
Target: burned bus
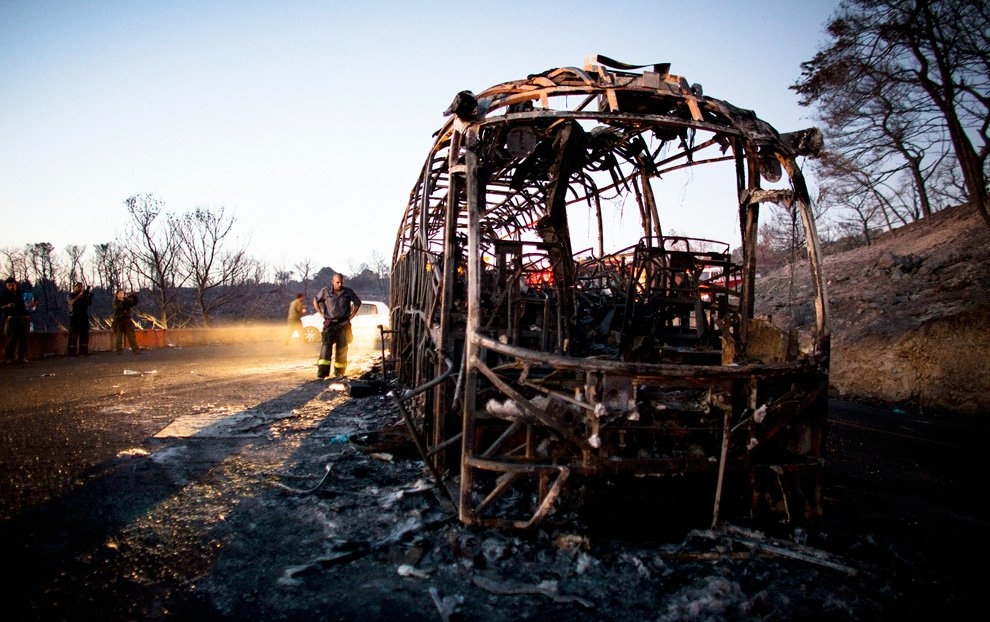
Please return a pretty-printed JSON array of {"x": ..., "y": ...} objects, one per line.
[{"x": 536, "y": 363}]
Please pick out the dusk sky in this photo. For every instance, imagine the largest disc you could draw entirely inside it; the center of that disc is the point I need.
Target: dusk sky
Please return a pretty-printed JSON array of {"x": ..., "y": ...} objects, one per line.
[{"x": 310, "y": 121}]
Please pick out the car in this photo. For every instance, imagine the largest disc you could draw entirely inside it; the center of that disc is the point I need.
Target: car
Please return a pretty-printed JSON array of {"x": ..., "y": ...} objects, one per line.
[{"x": 364, "y": 325}]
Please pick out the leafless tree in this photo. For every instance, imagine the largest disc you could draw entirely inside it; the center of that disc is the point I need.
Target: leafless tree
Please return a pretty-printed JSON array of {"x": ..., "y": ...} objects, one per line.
[
  {"x": 14, "y": 263},
  {"x": 111, "y": 265},
  {"x": 778, "y": 242},
  {"x": 903, "y": 89},
  {"x": 372, "y": 275},
  {"x": 41, "y": 259},
  {"x": 44, "y": 272},
  {"x": 305, "y": 269},
  {"x": 76, "y": 270},
  {"x": 868, "y": 199},
  {"x": 221, "y": 275},
  {"x": 282, "y": 278},
  {"x": 152, "y": 245}
]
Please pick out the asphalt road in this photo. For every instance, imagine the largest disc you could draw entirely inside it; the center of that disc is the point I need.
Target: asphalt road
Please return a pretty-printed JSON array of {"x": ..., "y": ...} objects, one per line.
[
  {"x": 916, "y": 481},
  {"x": 63, "y": 416}
]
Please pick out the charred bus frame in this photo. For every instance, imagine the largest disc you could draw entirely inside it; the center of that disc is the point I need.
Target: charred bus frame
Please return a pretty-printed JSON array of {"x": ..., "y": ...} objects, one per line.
[{"x": 527, "y": 365}]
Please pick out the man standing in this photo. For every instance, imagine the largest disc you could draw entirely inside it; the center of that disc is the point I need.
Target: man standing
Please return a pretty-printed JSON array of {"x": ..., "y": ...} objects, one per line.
[
  {"x": 297, "y": 308},
  {"x": 337, "y": 305},
  {"x": 16, "y": 320},
  {"x": 79, "y": 301},
  {"x": 123, "y": 325}
]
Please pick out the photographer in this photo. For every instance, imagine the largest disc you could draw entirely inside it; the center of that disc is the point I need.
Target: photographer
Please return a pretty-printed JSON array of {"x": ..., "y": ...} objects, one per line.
[
  {"x": 79, "y": 301},
  {"x": 123, "y": 325},
  {"x": 16, "y": 310}
]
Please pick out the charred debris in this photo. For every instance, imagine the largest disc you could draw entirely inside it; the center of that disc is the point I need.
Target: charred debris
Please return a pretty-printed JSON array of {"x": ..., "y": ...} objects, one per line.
[{"x": 534, "y": 372}]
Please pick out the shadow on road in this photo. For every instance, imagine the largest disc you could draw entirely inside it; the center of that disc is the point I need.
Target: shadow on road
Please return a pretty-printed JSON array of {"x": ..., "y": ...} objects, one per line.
[{"x": 63, "y": 557}]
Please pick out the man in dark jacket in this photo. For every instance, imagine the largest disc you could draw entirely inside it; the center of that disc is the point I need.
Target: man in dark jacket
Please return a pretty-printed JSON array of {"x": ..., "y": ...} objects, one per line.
[
  {"x": 15, "y": 322},
  {"x": 337, "y": 305},
  {"x": 79, "y": 301}
]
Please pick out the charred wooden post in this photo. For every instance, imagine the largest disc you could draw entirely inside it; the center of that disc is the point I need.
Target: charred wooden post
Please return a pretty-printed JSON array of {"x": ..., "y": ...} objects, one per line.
[{"x": 642, "y": 362}]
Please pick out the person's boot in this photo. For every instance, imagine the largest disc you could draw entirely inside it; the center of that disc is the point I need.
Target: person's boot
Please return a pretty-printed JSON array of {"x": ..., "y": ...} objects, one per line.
[{"x": 322, "y": 371}]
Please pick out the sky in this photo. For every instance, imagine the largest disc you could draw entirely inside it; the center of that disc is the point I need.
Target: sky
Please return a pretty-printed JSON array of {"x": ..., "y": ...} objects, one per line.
[{"x": 310, "y": 121}]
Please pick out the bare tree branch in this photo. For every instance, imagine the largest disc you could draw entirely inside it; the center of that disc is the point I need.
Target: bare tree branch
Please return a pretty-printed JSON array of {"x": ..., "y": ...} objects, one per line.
[
  {"x": 904, "y": 94},
  {"x": 152, "y": 246},
  {"x": 221, "y": 276}
]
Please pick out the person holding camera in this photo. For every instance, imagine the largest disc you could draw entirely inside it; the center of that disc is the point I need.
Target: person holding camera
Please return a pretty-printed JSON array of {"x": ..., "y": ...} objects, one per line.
[
  {"x": 17, "y": 320},
  {"x": 79, "y": 301},
  {"x": 123, "y": 325}
]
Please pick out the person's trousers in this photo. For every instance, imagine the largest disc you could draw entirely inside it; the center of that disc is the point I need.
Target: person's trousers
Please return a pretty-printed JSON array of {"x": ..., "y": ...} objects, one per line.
[
  {"x": 122, "y": 330},
  {"x": 15, "y": 329},
  {"x": 295, "y": 326},
  {"x": 333, "y": 350},
  {"x": 78, "y": 339}
]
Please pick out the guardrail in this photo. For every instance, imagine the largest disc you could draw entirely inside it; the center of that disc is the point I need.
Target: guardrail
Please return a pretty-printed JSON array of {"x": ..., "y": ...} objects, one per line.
[{"x": 48, "y": 344}]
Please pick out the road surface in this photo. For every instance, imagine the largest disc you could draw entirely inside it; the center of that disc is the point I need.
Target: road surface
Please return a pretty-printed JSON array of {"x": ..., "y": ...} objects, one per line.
[{"x": 141, "y": 487}]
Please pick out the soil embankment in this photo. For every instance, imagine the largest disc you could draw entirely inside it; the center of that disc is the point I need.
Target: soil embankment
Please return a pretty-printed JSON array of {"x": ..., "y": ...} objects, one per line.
[{"x": 910, "y": 314}]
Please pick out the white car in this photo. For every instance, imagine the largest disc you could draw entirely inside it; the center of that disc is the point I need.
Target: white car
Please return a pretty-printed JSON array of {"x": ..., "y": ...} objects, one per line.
[{"x": 371, "y": 315}]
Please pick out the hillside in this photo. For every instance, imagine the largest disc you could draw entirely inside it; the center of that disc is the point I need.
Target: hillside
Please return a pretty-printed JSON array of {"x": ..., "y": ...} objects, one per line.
[{"x": 910, "y": 314}]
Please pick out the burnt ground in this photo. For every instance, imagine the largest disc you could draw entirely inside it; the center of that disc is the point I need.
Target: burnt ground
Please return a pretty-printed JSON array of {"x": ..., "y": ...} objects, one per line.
[{"x": 227, "y": 483}]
